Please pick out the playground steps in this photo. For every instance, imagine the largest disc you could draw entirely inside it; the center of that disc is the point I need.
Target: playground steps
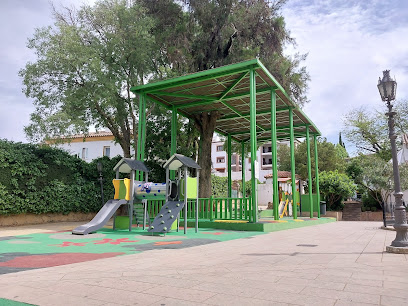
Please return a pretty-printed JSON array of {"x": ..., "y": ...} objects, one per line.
[
  {"x": 352, "y": 211},
  {"x": 138, "y": 212},
  {"x": 167, "y": 215}
]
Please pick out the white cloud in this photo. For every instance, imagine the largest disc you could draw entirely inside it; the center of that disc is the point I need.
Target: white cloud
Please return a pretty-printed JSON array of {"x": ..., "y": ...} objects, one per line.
[{"x": 348, "y": 46}]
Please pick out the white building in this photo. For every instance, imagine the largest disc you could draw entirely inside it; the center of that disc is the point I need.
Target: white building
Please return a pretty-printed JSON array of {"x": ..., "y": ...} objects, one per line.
[
  {"x": 98, "y": 144},
  {"x": 220, "y": 163},
  {"x": 91, "y": 146}
]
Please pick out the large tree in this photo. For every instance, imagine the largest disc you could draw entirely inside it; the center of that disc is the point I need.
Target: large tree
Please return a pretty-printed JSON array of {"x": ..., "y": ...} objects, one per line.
[
  {"x": 368, "y": 131},
  {"x": 204, "y": 34},
  {"x": 90, "y": 58},
  {"x": 86, "y": 64}
]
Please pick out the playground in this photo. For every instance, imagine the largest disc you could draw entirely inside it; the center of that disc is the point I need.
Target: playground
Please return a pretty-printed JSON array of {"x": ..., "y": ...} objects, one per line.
[
  {"x": 149, "y": 216},
  {"x": 57, "y": 246}
]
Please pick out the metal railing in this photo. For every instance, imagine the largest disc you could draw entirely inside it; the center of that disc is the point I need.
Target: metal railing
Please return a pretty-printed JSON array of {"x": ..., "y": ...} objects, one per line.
[{"x": 210, "y": 208}]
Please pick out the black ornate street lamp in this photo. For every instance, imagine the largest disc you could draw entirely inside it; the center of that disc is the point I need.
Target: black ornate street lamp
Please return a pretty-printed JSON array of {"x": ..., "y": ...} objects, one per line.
[{"x": 387, "y": 88}]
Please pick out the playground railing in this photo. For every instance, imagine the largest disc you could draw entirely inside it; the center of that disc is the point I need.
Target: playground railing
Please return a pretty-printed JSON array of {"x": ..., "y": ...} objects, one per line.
[
  {"x": 220, "y": 208},
  {"x": 211, "y": 208},
  {"x": 153, "y": 207}
]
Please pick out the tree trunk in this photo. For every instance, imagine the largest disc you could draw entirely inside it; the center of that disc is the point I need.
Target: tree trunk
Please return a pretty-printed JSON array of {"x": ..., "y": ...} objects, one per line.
[{"x": 205, "y": 123}]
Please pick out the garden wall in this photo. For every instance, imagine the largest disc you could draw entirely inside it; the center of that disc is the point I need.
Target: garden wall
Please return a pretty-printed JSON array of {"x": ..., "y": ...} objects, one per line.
[{"x": 26, "y": 219}]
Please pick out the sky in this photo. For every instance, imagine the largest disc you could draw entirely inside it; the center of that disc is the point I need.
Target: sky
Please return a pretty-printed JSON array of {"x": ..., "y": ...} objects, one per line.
[{"x": 349, "y": 43}]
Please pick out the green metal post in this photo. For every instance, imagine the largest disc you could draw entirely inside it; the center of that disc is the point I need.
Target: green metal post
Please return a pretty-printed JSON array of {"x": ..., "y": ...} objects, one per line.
[
  {"x": 229, "y": 157},
  {"x": 143, "y": 135},
  {"x": 173, "y": 147},
  {"x": 229, "y": 153},
  {"x": 252, "y": 107},
  {"x": 292, "y": 164},
  {"x": 309, "y": 172},
  {"x": 139, "y": 132},
  {"x": 317, "y": 175},
  {"x": 243, "y": 169},
  {"x": 274, "y": 157}
]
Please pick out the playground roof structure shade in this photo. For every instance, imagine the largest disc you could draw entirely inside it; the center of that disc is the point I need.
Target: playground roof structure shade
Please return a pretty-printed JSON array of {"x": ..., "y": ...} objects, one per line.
[
  {"x": 227, "y": 90},
  {"x": 178, "y": 160},
  {"x": 126, "y": 165}
]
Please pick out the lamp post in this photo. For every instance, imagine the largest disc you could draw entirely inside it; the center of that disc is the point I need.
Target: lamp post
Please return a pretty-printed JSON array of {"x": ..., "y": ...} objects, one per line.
[
  {"x": 100, "y": 168},
  {"x": 387, "y": 88}
]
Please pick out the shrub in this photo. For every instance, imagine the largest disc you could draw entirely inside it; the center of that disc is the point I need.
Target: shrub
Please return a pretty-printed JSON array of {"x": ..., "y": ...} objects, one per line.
[
  {"x": 40, "y": 179},
  {"x": 335, "y": 186}
]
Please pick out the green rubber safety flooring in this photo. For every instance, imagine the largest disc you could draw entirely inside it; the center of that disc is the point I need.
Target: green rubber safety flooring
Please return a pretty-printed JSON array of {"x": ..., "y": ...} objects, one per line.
[{"x": 5, "y": 302}]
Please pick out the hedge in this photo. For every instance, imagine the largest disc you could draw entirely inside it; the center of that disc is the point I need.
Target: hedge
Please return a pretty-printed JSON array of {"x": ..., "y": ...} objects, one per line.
[{"x": 40, "y": 179}]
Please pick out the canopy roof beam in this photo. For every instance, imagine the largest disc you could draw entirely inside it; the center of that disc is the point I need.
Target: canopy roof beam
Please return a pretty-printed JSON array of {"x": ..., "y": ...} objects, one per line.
[{"x": 268, "y": 112}]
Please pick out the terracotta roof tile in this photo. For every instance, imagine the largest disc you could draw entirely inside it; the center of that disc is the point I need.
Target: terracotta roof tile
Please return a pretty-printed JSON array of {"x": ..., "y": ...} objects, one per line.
[{"x": 282, "y": 174}]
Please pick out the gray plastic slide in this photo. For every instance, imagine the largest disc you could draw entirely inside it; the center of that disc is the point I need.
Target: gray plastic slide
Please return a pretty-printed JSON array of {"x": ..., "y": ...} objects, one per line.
[{"x": 101, "y": 218}]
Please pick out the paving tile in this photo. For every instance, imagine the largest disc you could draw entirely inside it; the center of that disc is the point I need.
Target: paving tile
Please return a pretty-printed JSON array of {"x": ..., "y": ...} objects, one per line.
[
  {"x": 232, "y": 289},
  {"x": 397, "y": 285},
  {"x": 393, "y": 301},
  {"x": 125, "y": 297},
  {"x": 348, "y": 303},
  {"x": 297, "y": 299},
  {"x": 375, "y": 290},
  {"x": 91, "y": 274},
  {"x": 14, "y": 292},
  {"x": 63, "y": 299},
  {"x": 174, "y": 302},
  {"x": 343, "y": 295},
  {"x": 312, "y": 283},
  {"x": 226, "y": 299},
  {"x": 192, "y": 295},
  {"x": 121, "y": 283},
  {"x": 161, "y": 280}
]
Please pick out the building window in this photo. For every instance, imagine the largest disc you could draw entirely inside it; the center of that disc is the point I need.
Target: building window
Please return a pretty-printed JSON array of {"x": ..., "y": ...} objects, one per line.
[
  {"x": 220, "y": 148},
  {"x": 106, "y": 151},
  {"x": 220, "y": 170},
  {"x": 84, "y": 154},
  {"x": 267, "y": 161},
  {"x": 220, "y": 159},
  {"x": 266, "y": 149},
  {"x": 233, "y": 160}
]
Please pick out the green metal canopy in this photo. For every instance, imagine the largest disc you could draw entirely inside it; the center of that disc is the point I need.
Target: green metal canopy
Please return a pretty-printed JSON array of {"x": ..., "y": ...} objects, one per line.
[
  {"x": 227, "y": 90},
  {"x": 253, "y": 107}
]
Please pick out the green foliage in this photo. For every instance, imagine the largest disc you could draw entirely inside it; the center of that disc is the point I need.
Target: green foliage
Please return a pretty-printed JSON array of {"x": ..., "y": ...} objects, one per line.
[
  {"x": 335, "y": 186},
  {"x": 331, "y": 157},
  {"x": 86, "y": 64},
  {"x": 35, "y": 179},
  {"x": 375, "y": 176},
  {"x": 372, "y": 200},
  {"x": 203, "y": 34},
  {"x": 219, "y": 186},
  {"x": 368, "y": 131}
]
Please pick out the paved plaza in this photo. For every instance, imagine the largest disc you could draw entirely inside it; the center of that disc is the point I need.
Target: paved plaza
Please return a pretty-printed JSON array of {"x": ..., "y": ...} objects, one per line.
[{"x": 339, "y": 263}]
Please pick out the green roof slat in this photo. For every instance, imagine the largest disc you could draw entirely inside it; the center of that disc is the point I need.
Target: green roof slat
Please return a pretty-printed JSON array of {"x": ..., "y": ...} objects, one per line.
[
  {"x": 278, "y": 110},
  {"x": 177, "y": 95},
  {"x": 199, "y": 76},
  {"x": 223, "y": 84},
  {"x": 279, "y": 128},
  {"x": 232, "y": 86}
]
